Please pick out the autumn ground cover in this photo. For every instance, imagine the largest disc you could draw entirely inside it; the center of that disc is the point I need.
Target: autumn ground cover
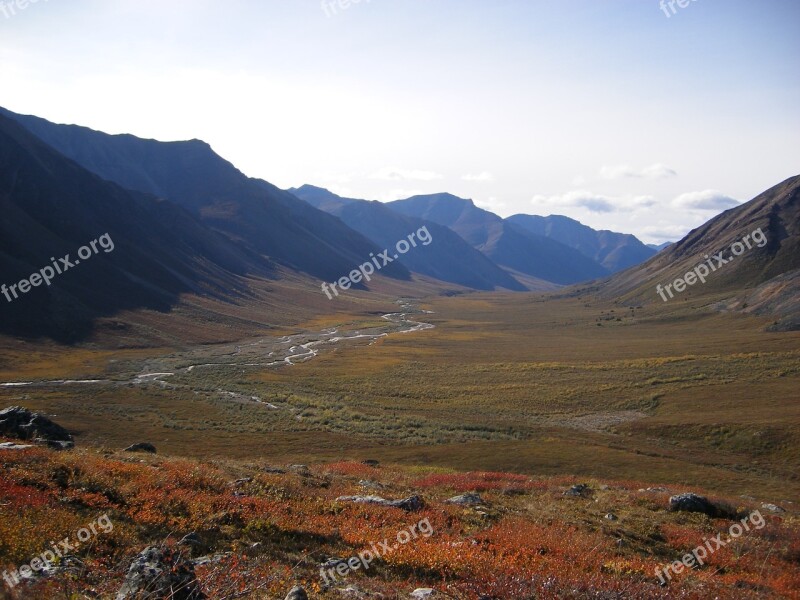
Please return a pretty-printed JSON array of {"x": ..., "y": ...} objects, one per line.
[{"x": 268, "y": 530}]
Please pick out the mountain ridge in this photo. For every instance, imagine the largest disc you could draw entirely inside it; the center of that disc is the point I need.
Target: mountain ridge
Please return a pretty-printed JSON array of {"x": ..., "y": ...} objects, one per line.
[
  {"x": 449, "y": 258},
  {"x": 505, "y": 243}
]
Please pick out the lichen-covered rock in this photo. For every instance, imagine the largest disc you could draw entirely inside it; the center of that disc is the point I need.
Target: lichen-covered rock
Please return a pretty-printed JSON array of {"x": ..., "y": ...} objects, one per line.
[{"x": 160, "y": 574}]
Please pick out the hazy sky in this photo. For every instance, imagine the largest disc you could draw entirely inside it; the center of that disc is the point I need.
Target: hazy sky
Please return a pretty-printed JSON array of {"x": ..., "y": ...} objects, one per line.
[{"x": 604, "y": 110}]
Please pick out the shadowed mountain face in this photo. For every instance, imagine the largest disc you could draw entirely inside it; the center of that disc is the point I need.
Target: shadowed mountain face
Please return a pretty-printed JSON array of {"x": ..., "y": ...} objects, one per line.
[
  {"x": 51, "y": 207},
  {"x": 505, "y": 243},
  {"x": 268, "y": 220},
  {"x": 615, "y": 251},
  {"x": 448, "y": 258},
  {"x": 766, "y": 269}
]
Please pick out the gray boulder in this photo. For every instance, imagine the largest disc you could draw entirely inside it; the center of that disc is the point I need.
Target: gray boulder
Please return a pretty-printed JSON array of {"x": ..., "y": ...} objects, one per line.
[
  {"x": 580, "y": 490},
  {"x": 693, "y": 503},
  {"x": 410, "y": 504},
  {"x": 21, "y": 423},
  {"x": 141, "y": 447},
  {"x": 468, "y": 499},
  {"x": 160, "y": 574},
  {"x": 297, "y": 593}
]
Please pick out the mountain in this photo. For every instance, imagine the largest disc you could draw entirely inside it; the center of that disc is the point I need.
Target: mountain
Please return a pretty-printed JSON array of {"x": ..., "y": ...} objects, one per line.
[
  {"x": 660, "y": 247},
  {"x": 751, "y": 253},
  {"x": 265, "y": 218},
  {"x": 146, "y": 253},
  {"x": 615, "y": 251},
  {"x": 448, "y": 258},
  {"x": 503, "y": 242}
]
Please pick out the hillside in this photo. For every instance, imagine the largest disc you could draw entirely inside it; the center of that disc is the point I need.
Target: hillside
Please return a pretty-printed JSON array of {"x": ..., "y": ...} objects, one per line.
[
  {"x": 254, "y": 530},
  {"x": 762, "y": 279},
  {"x": 155, "y": 251}
]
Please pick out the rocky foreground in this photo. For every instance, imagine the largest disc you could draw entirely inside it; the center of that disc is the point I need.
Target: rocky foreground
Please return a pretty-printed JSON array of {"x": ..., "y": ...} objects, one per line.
[{"x": 133, "y": 525}]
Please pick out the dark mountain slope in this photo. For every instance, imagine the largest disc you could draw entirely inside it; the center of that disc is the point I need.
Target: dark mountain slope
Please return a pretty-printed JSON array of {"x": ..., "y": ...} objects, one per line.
[
  {"x": 448, "y": 258},
  {"x": 615, "y": 251},
  {"x": 505, "y": 243},
  {"x": 267, "y": 219},
  {"x": 51, "y": 207},
  {"x": 766, "y": 272}
]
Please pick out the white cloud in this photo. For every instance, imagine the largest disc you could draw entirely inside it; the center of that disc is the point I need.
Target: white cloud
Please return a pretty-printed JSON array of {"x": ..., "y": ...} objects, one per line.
[
  {"x": 654, "y": 171},
  {"x": 395, "y": 174},
  {"x": 666, "y": 233},
  {"x": 491, "y": 204},
  {"x": 597, "y": 203},
  {"x": 706, "y": 200},
  {"x": 483, "y": 177}
]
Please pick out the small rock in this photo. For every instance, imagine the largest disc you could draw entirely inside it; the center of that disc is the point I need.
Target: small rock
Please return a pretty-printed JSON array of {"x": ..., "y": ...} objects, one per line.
[
  {"x": 242, "y": 481},
  {"x": 410, "y": 504},
  {"x": 297, "y": 593},
  {"x": 611, "y": 517},
  {"x": 693, "y": 503},
  {"x": 373, "y": 485},
  {"x": 13, "y": 446},
  {"x": 190, "y": 539},
  {"x": 468, "y": 499},
  {"x": 773, "y": 508},
  {"x": 274, "y": 470},
  {"x": 370, "y": 462},
  {"x": 141, "y": 447},
  {"x": 332, "y": 563},
  {"x": 580, "y": 490},
  {"x": 422, "y": 593},
  {"x": 209, "y": 560}
]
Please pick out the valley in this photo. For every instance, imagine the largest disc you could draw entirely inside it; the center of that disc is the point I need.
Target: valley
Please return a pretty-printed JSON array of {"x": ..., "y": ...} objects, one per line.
[{"x": 523, "y": 383}]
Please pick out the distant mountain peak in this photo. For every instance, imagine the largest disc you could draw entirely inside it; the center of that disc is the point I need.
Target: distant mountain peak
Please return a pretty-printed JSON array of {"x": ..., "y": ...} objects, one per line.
[{"x": 443, "y": 197}]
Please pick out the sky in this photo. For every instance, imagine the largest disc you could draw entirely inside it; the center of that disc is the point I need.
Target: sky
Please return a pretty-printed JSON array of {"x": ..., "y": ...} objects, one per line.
[{"x": 624, "y": 114}]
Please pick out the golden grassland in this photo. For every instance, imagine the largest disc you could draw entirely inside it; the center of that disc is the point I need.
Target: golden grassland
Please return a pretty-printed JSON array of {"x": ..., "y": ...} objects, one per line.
[{"x": 534, "y": 384}]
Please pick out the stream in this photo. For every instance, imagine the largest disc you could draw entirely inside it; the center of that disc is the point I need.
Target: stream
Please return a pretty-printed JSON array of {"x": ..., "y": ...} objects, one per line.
[{"x": 267, "y": 352}]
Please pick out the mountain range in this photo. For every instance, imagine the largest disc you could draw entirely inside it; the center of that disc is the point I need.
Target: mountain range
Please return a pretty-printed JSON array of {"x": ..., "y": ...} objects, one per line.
[
  {"x": 185, "y": 220},
  {"x": 614, "y": 251}
]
